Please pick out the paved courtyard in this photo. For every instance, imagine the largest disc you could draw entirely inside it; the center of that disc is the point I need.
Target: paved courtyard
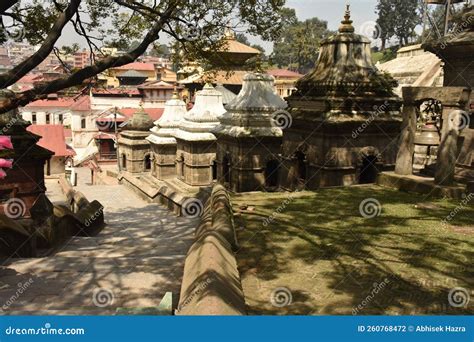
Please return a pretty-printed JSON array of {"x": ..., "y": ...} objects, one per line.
[{"x": 132, "y": 262}]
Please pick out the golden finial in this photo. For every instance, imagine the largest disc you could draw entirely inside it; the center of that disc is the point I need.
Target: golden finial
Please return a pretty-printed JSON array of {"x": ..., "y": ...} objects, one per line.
[
  {"x": 346, "y": 26},
  {"x": 175, "y": 93}
]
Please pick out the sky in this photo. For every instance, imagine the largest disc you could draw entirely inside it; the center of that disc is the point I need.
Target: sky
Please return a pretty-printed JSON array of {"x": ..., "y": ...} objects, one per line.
[{"x": 332, "y": 11}]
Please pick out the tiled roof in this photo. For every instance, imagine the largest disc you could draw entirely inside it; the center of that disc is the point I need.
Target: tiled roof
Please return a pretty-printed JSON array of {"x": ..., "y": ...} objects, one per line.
[
  {"x": 156, "y": 85},
  {"x": 234, "y": 46},
  {"x": 116, "y": 91},
  {"x": 284, "y": 73},
  {"x": 82, "y": 103},
  {"x": 153, "y": 113},
  {"x": 232, "y": 78},
  {"x": 133, "y": 74},
  {"x": 52, "y": 138},
  {"x": 60, "y": 102},
  {"x": 137, "y": 66}
]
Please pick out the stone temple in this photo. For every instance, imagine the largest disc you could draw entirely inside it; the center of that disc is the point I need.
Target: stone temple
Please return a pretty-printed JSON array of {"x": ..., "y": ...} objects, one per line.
[
  {"x": 134, "y": 149},
  {"x": 162, "y": 140},
  {"x": 196, "y": 145},
  {"x": 248, "y": 143},
  {"x": 345, "y": 118}
]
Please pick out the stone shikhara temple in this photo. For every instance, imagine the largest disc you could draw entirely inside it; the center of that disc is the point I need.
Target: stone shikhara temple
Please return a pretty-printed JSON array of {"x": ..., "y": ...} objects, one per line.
[
  {"x": 196, "y": 145},
  {"x": 346, "y": 119},
  {"x": 248, "y": 141},
  {"x": 342, "y": 126},
  {"x": 134, "y": 149},
  {"x": 162, "y": 140}
]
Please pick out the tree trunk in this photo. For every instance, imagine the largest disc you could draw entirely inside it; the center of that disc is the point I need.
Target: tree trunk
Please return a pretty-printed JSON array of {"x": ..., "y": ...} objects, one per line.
[{"x": 383, "y": 44}]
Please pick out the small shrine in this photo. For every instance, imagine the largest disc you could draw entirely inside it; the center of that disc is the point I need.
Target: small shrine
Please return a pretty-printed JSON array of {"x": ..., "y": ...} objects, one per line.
[
  {"x": 24, "y": 182},
  {"x": 196, "y": 145},
  {"x": 134, "y": 149},
  {"x": 248, "y": 141},
  {"x": 345, "y": 118},
  {"x": 162, "y": 141}
]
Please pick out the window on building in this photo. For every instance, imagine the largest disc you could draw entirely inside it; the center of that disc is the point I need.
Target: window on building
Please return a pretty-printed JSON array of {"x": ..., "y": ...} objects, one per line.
[
  {"x": 124, "y": 162},
  {"x": 147, "y": 162},
  {"x": 33, "y": 118},
  {"x": 271, "y": 173},
  {"x": 48, "y": 118},
  {"x": 60, "y": 118},
  {"x": 214, "y": 170},
  {"x": 83, "y": 123},
  {"x": 368, "y": 170}
]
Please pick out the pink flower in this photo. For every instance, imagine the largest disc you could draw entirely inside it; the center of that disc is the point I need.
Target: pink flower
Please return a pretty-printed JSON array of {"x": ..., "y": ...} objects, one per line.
[
  {"x": 6, "y": 163},
  {"x": 3, "y": 174},
  {"x": 5, "y": 142}
]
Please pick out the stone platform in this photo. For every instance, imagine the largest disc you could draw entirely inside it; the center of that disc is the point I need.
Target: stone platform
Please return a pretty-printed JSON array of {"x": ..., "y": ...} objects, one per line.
[
  {"x": 422, "y": 185},
  {"x": 172, "y": 193}
]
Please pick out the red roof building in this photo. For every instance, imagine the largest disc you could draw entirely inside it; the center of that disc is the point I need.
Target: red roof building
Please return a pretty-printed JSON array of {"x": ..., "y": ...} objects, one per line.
[{"x": 53, "y": 138}]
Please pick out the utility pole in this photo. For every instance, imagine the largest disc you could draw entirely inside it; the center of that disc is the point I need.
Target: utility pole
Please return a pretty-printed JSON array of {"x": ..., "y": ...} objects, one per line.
[{"x": 116, "y": 139}]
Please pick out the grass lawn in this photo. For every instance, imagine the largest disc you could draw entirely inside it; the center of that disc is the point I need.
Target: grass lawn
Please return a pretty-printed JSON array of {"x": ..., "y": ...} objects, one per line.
[{"x": 318, "y": 249}]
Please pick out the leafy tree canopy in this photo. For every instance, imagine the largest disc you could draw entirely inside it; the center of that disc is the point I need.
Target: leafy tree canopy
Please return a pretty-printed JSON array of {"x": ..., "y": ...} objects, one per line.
[
  {"x": 297, "y": 46},
  {"x": 195, "y": 25}
]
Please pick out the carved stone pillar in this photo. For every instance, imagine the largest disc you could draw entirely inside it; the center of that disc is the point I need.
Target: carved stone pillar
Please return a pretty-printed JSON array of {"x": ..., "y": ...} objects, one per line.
[{"x": 404, "y": 164}]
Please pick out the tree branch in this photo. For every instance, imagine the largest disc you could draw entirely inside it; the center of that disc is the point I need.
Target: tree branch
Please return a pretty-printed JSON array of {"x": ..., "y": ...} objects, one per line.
[
  {"x": 6, "y": 4},
  {"x": 10, "y": 77},
  {"x": 78, "y": 77}
]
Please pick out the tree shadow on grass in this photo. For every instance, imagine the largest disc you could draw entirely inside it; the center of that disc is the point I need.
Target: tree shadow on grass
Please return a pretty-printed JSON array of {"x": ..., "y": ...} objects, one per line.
[{"x": 406, "y": 248}]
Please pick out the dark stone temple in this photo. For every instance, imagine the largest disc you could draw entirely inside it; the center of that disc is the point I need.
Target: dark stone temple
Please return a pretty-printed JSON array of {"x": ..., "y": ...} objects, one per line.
[
  {"x": 248, "y": 143},
  {"x": 134, "y": 149},
  {"x": 345, "y": 118},
  {"x": 24, "y": 183}
]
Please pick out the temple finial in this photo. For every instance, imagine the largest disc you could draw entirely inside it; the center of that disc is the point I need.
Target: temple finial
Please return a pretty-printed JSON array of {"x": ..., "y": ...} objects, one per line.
[
  {"x": 346, "y": 26},
  {"x": 175, "y": 93}
]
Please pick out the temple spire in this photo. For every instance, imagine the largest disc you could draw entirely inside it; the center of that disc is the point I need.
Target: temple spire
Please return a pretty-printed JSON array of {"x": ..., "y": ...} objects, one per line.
[{"x": 346, "y": 24}]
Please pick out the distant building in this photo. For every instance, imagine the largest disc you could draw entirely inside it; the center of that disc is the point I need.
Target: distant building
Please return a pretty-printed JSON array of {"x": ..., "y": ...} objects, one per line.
[
  {"x": 156, "y": 93},
  {"x": 230, "y": 67},
  {"x": 285, "y": 81},
  {"x": 53, "y": 139},
  {"x": 53, "y": 110},
  {"x": 414, "y": 67},
  {"x": 5, "y": 62},
  {"x": 130, "y": 74}
]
